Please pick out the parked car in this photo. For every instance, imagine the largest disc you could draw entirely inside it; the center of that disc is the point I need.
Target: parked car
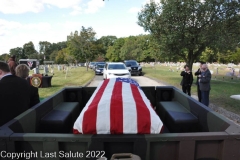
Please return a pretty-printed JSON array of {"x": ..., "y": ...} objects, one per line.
[
  {"x": 91, "y": 64},
  {"x": 99, "y": 68},
  {"x": 133, "y": 67},
  {"x": 115, "y": 69},
  {"x": 96, "y": 63}
]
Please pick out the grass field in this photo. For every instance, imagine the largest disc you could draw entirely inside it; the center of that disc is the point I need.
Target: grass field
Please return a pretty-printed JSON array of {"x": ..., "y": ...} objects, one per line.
[
  {"x": 75, "y": 77},
  {"x": 222, "y": 86}
]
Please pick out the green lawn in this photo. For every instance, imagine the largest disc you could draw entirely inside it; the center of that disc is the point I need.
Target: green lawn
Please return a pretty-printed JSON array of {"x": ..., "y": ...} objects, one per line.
[
  {"x": 222, "y": 86},
  {"x": 75, "y": 77}
]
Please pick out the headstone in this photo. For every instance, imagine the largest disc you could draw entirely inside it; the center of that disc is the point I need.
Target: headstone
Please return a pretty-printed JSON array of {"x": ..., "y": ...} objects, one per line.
[
  {"x": 237, "y": 97},
  {"x": 45, "y": 70},
  {"x": 59, "y": 68},
  {"x": 52, "y": 71},
  {"x": 229, "y": 74},
  {"x": 35, "y": 70},
  {"x": 211, "y": 71}
]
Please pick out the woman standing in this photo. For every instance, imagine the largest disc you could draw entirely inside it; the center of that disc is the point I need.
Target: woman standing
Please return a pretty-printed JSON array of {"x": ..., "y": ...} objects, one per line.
[
  {"x": 22, "y": 71},
  {"x": 187, "y": 80}
]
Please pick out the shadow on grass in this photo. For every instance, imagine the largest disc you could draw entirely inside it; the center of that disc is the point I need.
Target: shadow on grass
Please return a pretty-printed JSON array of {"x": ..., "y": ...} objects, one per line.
[{"x": 56, "y": 85}]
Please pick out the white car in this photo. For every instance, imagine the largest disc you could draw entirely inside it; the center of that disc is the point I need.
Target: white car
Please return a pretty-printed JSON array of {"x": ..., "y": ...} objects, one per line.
[
  {"x": 115, "y": 69},
  {"x": 91, "y": 64}
]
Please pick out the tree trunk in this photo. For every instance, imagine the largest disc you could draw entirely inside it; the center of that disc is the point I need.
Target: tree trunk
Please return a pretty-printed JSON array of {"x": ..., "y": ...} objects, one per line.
[
  {"x": 190, "y": 59},
  {"x": 87, "y": 65},
  {"x": 192, "y": 56}
]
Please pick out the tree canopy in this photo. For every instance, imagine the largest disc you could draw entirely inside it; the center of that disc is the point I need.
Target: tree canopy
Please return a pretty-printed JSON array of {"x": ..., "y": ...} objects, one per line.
[
  {"x": 81, "y": 45},
  {"x": 187, "y": 28},
  {"x": 179, "y": 31}
]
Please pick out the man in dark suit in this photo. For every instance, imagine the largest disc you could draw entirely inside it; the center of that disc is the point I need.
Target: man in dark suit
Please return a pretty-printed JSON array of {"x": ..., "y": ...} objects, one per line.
[
  {"x": 14, "y": 94},
  {"x": 204, "y": 84}
]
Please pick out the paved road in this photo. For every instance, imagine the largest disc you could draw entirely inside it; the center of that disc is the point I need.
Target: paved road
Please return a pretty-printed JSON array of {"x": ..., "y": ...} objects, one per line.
[{"x": 142, "y": 81}]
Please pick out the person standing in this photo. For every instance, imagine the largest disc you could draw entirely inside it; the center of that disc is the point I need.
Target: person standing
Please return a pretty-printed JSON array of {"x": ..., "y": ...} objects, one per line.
[
  {"x": 186, "y": 80},
  {"x": 14, "y": 94},
  {"x": 197, "y": 73},
  {"x": 22, "y": 71},
  {"x": 204, "y": 84},
  {"x": 12, "y": 64}
]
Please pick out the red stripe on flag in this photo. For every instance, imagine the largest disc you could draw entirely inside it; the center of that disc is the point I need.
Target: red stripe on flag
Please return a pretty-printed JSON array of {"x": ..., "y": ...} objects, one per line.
[
  {"x": 75, "y": 131},
  {"x": 116, "y": 109},
  {"x": 143, "y": 114},
  {"x": 90, "y": 115}
]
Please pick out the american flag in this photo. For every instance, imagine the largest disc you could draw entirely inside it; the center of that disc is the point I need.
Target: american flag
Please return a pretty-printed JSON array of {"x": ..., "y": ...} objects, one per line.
[
  {"x": 30, "y": 63},
  {"x": 118, "y": 106}
]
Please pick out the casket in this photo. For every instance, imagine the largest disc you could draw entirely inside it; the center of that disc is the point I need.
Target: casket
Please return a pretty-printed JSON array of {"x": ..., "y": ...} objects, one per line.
[{"x": 118, "y": 106}]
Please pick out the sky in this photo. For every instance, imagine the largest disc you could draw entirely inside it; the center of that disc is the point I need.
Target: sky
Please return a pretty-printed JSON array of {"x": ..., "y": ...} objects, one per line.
[{"x": 22, "y": 21}]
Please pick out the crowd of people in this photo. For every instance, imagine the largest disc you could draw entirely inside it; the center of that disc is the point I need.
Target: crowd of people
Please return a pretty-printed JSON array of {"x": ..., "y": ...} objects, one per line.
[
  {"x": 203, "y": 82},
  {"x": 16, "y": 94}
]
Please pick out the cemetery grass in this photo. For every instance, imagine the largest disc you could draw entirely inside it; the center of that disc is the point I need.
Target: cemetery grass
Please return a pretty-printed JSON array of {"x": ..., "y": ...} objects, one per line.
[
  {"x": 221, "y": 88},
  {"x": 75, "y": 77}
]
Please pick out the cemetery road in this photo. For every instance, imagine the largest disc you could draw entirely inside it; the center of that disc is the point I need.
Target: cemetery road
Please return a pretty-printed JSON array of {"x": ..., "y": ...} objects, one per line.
[{"x": 143, "y": 81}]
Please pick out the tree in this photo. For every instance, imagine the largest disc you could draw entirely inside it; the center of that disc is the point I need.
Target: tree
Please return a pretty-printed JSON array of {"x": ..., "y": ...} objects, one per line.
[
  {"x": 102, "y": 45},
  {"x": 55, "y": 47},
  {"x": 4, "y": 57},
  {"x": 151, "y": 49},
  {"x": 59, "y": 46},
  {"x": 230, "y": 56},
  {"x": 29, "y": 50},
  {"x": 53, "y": 55},
  {"x": 59, "y": 59},
  {"x": 46, "y": 49},
  {"x": 236, "y": 56},
  {"x": 209, "y": 56},
  {"x": 107, "y": 41},
  {"x": 147, "y": 49},
  {"x": 134, "y": 47},
  {"x": 114, "y": 52},
  {"x": 187, "y": 28},
  {"x": 128, "y": 50},
  {"x": 97, "y": 51},
  {"x": 63, "y": 57},
  {"x": 18, "y": 52},
  {"x": 79, "y": 45}
]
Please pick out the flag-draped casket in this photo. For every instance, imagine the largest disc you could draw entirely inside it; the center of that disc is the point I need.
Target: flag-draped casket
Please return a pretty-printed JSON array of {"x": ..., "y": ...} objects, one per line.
[{"x": 118, "y": 106}]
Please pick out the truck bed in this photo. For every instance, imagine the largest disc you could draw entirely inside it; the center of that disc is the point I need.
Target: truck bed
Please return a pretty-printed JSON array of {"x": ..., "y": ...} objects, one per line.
[{"x": 208, "y": 136}]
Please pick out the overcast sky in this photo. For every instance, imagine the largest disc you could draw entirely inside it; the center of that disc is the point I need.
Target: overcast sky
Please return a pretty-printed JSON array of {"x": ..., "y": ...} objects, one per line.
[{"x": 22, "y": 21}]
